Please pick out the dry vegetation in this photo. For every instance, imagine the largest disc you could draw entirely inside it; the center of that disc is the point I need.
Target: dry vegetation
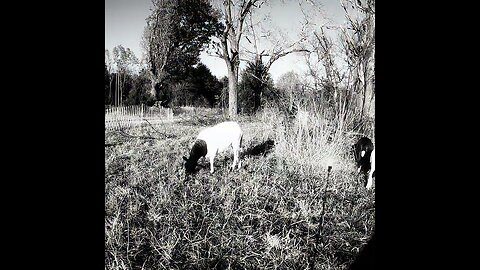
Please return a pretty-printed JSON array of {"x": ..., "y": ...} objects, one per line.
[{"x": 281, "y": 210}]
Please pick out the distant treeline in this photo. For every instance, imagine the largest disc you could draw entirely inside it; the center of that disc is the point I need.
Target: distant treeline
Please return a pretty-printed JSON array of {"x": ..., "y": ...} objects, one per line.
[
  {"x": 198, "y": 87},
  {"x": 339, "y": 79}
]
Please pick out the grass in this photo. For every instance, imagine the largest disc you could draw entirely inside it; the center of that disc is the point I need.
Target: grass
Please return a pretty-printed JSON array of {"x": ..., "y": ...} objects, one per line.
[{"x": 281, "y": 210}]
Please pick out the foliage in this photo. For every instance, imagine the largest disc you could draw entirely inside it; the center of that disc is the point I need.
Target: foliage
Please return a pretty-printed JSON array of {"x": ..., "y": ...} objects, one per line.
[
  {"x": 222, "y": 98},
  {"x": 126, "y": 65},
  {"x": 125, "y": 60},
  {"x": 198, "y": 88},
  {"x": 139, "y": 93},
  {"x": 176, "y": 31},
  {"x": 204, "y": 83},
  {"x": 255, "y": 87}
]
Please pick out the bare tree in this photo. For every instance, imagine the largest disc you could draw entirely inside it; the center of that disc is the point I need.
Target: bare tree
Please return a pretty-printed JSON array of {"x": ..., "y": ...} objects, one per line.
[
  {"x": 277, "y": 43},
  {"x": 290, "y": 85},
  {"x": 234, "y": 14},
  {"x": 239, "y": 23},
  {"x": 126, "y": 63},
  {"x": 324, "y": 70},
  {"x": 358, "y": 40},
  {"x": 109, "y": 63}
]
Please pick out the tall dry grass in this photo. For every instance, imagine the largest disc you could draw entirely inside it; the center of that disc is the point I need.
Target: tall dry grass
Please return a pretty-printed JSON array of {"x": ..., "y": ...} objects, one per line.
[{"x": 312, "y": 139}]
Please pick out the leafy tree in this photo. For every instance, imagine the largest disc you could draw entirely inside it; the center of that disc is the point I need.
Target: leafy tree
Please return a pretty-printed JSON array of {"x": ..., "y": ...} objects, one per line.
[
  {"x": 204, "y": 83},
  {"x": 222, "y": 98},
  {"x": 289, "y": 85},
  {"x": 176, "y": 32},
  {"x": 255, "y": 84},
  {"x": 198, "y": 88},
  {"x": 139, "y": 93},
  {"x": 125, "y": 62}
]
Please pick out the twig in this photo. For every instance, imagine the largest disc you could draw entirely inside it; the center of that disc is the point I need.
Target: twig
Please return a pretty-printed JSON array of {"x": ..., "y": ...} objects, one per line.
[
  {"x": 161, "y": 133},
  {"x": 153, "y": 127},
  {"x": 112, "y": 144},
  {"x": 140, "y": 137},
  {"x": 324, "y": 200}
]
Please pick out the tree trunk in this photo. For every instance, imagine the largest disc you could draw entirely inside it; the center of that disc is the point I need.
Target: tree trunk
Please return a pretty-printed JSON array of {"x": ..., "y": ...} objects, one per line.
[
  {"x": 116, "y": 90},
  {"x": 121, "y": 89},
  {"x": 363, "y": 106},
  {"x": 256, "y": 99},
  {"x": 371, "y": 100},
  {"x": 153, "y": 90},
  {"x": 348, "y": 96},
  {"x": 233, "y": 91},
  {"x": 110, "y": 91}
]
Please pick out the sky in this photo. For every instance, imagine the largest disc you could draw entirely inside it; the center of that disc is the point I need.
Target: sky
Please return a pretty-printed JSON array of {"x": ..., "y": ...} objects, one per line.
[{"x": 125, "y": 22}]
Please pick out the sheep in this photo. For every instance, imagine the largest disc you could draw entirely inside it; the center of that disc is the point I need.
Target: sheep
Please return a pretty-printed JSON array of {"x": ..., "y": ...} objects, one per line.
[
  {"x": 372, "y": 170},
  {"x": 362, "y": 151},
  {"x": 213, "y": 140}
]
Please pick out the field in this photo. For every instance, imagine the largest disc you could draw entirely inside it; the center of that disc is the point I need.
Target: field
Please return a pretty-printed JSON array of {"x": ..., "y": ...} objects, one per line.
[{"x": 282, "y": 210}]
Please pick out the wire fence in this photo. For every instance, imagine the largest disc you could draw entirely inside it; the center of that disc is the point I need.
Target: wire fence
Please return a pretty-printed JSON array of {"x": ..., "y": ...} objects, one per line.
[{"x": 124, "y": 117}]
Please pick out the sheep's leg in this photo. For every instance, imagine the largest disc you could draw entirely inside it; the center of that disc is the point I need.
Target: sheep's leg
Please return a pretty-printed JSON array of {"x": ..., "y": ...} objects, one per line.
[
  {"x": 212, "y": 158},
  {"x": 372, "y": 170},
  {"x": 239, "y": 164},
  {"x": 370, "y": 180},
  {"x": 236, "y": 155},
  {"x": 211, "y": 155},
  {"x": 238, "y": 151},
  {"x": 235, "y": 158}
]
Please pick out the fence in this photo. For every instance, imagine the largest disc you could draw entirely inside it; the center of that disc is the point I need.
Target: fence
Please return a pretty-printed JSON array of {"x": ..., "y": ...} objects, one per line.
[{"x": 135, "y": 116}]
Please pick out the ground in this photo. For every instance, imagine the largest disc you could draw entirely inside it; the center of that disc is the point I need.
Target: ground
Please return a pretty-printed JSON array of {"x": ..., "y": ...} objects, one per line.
[{"x": 269, "y": 214}]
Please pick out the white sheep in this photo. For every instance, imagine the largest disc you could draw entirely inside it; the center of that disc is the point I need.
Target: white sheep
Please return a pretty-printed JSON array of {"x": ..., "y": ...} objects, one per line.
[
  {"x": 213, "y": 140},
  {"x": 372, "y": 170}
]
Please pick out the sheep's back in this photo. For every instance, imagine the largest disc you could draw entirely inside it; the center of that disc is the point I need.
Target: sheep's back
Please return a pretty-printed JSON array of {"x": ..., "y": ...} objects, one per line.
[{"x": 221, "y": 136}]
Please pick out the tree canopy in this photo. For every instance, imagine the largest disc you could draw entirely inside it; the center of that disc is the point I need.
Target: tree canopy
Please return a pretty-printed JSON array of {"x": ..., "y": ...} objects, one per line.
[{"x": 176, "y": 32}]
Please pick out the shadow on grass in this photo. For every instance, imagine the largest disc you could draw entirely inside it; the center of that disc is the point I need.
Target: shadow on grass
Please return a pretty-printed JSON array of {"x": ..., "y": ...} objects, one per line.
[
  {"x": 112, "y": 144},
  {"x": 366, "y": 258},
  {"x": 260, "y": 149}
]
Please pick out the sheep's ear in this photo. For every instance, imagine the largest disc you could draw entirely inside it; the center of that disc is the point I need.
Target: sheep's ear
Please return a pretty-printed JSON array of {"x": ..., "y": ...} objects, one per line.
[{"x": 185, "y": 158}]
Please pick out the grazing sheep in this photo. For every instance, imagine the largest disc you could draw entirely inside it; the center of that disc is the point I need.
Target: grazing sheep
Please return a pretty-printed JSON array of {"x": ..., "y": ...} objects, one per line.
[
  {"x": 213, "y": 140},
  {"x": 372, "y": 170},
  {"x": 362, "y": 150}
]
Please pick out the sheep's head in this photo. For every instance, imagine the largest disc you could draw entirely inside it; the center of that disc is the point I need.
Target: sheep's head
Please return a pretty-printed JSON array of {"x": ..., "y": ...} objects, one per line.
[
  {"x": 190, "y": 164},
  {"x": 199, "y": 149}
]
